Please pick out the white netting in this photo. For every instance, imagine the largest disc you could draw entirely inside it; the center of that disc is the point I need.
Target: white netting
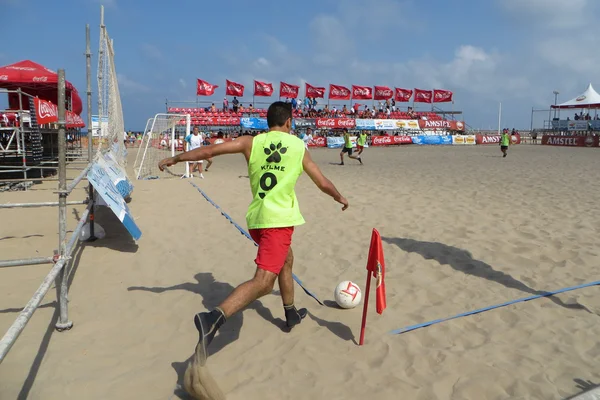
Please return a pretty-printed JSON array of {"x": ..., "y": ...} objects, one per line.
[
  {"x": 109, "y": 102},
  {"x": 164, "y": 136}
]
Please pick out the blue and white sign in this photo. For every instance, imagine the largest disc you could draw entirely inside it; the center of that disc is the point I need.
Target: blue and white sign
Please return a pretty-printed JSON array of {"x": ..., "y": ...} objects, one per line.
[
  {"x": 116, "y": 173},
  {"x": 432, "y": 139},
  {"x": 337, "y": 142},
  {"x": 102, "y": 182},
  {"x": 258, "y": 123},
  {"x": 365, "y": 124}
]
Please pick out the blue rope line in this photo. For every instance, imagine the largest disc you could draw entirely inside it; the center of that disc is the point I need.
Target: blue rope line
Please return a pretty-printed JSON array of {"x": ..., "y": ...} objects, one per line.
[
  {"x": 245, "y": 233},
  {"x": 538, "y": 296}
]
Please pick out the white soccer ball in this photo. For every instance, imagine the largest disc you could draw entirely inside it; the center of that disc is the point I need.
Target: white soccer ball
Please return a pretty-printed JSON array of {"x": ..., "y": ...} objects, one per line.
[{"x": 347, "y": 294}]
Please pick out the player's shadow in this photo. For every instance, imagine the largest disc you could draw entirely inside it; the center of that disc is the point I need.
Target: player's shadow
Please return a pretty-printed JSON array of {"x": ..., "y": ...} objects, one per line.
[
  {"x": 213, "y": 293},
  {"x": 461, "y": 260},
  {"x": 584, "y": 387}
]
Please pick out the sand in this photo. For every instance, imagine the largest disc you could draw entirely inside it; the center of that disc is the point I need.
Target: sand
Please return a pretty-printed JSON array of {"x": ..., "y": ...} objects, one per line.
[{"x": 462, "y": 228}]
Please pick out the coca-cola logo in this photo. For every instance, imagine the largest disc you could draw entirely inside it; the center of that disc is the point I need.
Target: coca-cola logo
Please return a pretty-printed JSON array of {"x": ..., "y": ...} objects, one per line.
[
  {"x": 362, "y": 92},
  {"x": 3, "y": 77},
  {"x": 234, "y": 88},
  {"x": 326, "y": 122},
  {"x": 346, "y": 123},
  {"x": 318, "y": 141},
  {"x": 288, "y": 89},
  {"x": 21, "y": 68},
  {"x": 383, "y": 93},
  {"x": 206, "y": 86},
  {"x": 382, "y": 140},
  {"x": 47, "y": 110},
  {"x": 40, "y": 78},
  {"x": 340, "y": 92}
]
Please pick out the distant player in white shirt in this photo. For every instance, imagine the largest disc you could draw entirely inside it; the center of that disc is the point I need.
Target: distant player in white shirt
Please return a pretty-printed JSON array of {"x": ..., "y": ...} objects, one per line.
[
  {"x": 306, "y": 137},
  {"x": 194, "y": 141}
]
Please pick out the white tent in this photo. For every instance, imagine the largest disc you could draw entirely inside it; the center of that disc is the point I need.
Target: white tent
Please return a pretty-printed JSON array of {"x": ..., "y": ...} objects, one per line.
[{"x": 588, "y": 99}]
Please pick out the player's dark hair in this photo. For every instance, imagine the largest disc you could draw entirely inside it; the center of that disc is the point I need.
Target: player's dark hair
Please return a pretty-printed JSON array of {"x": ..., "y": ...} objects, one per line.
[{"x": 278, "y": 113}]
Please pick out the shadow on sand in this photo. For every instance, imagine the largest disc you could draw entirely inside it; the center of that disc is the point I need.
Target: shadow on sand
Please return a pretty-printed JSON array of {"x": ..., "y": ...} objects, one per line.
[
  {"x": 461, "y": 260},
  {"x": 585, "y": 387}
]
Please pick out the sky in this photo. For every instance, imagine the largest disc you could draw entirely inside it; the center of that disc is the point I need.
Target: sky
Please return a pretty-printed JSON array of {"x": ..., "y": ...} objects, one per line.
[{"x": 514, "y": 52}]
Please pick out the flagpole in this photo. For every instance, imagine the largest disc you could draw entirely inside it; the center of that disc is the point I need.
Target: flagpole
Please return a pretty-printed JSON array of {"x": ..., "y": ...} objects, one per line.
[{"x": 365, "y": 309}]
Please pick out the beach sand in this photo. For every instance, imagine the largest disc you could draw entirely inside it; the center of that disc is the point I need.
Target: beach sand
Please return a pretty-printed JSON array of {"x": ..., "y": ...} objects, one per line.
[{"x": 462, "y": 229}]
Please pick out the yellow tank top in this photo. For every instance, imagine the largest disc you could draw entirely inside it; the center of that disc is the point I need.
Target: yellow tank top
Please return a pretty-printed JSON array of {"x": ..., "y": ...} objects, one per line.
[{"x": 274, "y": 167}]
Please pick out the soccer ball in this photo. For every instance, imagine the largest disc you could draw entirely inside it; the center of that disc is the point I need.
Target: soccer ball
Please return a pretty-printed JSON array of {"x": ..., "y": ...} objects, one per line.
[{"x": 347, "y": 294}]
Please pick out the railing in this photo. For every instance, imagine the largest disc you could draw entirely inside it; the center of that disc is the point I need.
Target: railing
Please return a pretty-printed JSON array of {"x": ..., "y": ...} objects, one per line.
[{"x": 60, "y": 259}]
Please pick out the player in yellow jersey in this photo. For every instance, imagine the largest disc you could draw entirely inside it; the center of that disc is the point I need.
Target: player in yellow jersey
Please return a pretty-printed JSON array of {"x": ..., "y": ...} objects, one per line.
[
  {"x": 275, "y": 161},
  {"x": 347, "y": 148}
]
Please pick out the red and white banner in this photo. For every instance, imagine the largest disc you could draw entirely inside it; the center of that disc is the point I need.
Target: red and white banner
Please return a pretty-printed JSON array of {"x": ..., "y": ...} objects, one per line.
[
  {"x": 362, "y": 92},
  {"x": 234, "y": 89},
  {"x": 335, "y": 123},
  {"x": 315, "y": 92},
  {"x": 390, "y": 140},
  {"x": 403, "y": 95},
  {"x": 337, "y": 92},
  {"x": 571, "y": 141},
  {"x": 495, "y": 139},
  {"x": 383, "y": 93},
  {"x": 288, "y": 91},
  {"x": 263, "y": 88},
  {"x": 443, "y": 124},
  {"x": 47, "y": 113},
  {"x": 423, "y": 96},
  {"x": 319, "y": 141},
  {"x": 204, "y": 88},
  {"x": 442, "y": 96},
  {"x": 215, "y": 121}
]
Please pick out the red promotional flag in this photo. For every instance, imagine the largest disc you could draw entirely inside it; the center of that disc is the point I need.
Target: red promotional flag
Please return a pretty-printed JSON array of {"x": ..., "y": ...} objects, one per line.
[
  {"x": 204, "y": 88},
  {"x": 362, "y": 92},
  {"x": 337, "y": 92},
  {"x": 383, "y": 93},
  {"x": 403, "y": 95},
  {"x": 423, "y": 96},
  {"x": 234, "y": 89},
  {"x": 376, "y": 265},
  {"x": 288, "y": 91},
  {"x": 315, "y": 92},
  {"x": 442, "y": 96},
  {"x": 263, "y": 89}
]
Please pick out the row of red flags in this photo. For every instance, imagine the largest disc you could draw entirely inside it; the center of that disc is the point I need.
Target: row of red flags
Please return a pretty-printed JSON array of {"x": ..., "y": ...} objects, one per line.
[{"x": 336, "y": 92}]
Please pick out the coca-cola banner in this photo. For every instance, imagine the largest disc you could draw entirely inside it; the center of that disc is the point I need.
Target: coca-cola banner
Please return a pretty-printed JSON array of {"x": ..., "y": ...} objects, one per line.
[
  {"x": 204, "y": 88},
  {"x": 234, "y": 89},
  {"x": 305, "y": 122},
  {"x": 315, "y": 92},
  {"x": 319, "y": 141},
  {"x": 442, "y": 96},
  {"x": 423, "y": 96},
  {"x": 403, "y": 95},
  {"x": 390, "y": 140},
  {"x": 495, "y": 139},
  {"x": 47, "y": 113},
  {"x": 263, "y": 89},
  {"x": 443, "y": 124},
  {"x": 570, "y": 141},
  {"x": 383, "y": 93},
  {"x": 336, "y": 123},
  {"x": 362, "y": 92},
  {"x": 288, "y": 91},
  {"x": 337, "y": 92}
]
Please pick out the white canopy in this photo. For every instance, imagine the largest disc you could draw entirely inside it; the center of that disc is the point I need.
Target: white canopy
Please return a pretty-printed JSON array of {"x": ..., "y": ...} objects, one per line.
[{"x": 588, "y": 99}]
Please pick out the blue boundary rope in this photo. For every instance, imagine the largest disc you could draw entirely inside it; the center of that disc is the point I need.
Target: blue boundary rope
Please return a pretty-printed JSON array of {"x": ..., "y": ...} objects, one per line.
[
  {"x": 243, "y": 232},
  {"x": 480, "y": 310}
]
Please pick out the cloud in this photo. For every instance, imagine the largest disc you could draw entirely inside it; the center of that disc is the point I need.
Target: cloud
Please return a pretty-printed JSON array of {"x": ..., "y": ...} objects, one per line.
[
  {"x": 152, "y": 51},
  {"x": 130, "y": 87},
  {"x": 182, "y": 83}
]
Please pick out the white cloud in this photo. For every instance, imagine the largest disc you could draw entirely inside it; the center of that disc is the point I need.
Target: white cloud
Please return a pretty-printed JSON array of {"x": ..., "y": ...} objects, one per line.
[
  {"x": 152, "y": 51},
  {"x": 128, "y": 86},
  {"x": 182, "y": 83}
]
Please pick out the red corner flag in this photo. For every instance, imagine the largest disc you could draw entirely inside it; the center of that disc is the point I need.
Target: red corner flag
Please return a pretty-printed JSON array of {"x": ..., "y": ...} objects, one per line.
[{"x": 376, "y": 268}]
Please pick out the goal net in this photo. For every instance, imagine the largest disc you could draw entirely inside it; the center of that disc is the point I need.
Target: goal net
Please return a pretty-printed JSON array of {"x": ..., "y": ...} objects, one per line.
[{"x": 164, "y": 136}]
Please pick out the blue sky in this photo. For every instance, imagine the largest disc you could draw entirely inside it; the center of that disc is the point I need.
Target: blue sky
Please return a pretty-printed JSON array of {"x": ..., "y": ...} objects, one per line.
[{"x": 513, "y": 51}]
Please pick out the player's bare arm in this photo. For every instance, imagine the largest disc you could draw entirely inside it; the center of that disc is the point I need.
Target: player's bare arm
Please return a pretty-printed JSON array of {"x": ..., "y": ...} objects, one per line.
[
  {"x": 324, "y": 184},
  {"x": 242, "y": 145}
]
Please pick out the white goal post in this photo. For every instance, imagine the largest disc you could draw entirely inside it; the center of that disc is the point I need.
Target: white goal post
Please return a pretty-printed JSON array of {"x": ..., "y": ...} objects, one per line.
[{"x": 161, "y": 139}]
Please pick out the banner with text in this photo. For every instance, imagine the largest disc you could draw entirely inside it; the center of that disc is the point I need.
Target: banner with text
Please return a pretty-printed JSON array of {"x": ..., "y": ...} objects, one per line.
[
  {"x": 336, "y": 142},
  {"x": 570, "y": 141},
  {"x": 390, "y": 140},
  {"x": 495, "y": 139},
  {"x": 464, "y": 139},
  {"x": 432, "y": 139}
]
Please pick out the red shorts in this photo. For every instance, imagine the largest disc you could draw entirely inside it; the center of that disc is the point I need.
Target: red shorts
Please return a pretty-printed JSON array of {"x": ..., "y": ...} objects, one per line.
[
  {"x": 273, "y": 247},
  {"x": 359, "y": 147}
]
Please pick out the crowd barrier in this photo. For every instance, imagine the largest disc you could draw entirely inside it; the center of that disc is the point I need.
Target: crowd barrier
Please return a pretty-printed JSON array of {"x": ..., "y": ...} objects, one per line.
[{"x": 571, "y": 141}]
